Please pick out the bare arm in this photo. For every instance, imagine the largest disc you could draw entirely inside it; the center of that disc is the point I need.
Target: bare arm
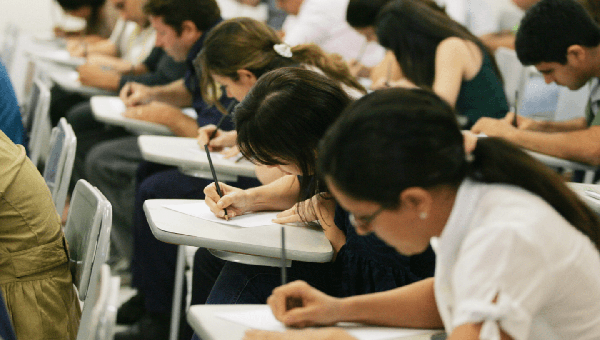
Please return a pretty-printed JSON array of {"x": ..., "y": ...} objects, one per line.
[
  {"x": 167, "y": 115},
  {"x": 579, "y": 145},
  {"x": 175, "y": 94},
  {"x": 451, "y": 58}
]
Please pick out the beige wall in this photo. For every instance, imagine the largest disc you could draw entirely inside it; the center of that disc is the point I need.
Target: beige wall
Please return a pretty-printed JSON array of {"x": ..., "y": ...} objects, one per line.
[{"x": 32, "y": 16}]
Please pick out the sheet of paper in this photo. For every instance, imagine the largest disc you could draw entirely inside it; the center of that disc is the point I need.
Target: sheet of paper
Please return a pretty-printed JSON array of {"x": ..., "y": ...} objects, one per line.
[
  {"x": 213, "y": 155},
  {"x": 262, "y": 318},
  {"x": 201, "y": 210}
]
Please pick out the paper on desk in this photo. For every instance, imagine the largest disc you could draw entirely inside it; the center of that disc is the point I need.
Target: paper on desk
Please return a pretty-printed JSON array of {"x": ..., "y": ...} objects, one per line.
[
  {"x": 213, "y": 155},
  {"x": 262, "y": 318},
  {"x": 201, "y": 210}
]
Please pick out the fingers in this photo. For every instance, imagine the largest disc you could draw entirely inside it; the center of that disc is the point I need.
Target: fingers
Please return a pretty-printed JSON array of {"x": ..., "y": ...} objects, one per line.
[
  {"x": 204, "y": 134},
  {"x": 231, "y": 152},
  {"x": 125, "y": 92}
]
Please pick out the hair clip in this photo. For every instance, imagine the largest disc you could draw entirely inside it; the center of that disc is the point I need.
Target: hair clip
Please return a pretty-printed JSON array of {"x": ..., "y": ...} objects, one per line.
[{"x": 283, "y": 50}]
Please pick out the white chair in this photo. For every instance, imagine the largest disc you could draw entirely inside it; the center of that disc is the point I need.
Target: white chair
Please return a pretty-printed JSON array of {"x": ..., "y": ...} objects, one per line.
[
  {"x": 39, "y": 115},
  {"x": 88, "y": 235},
  {"x": 9, "y": 45},
  {"x": 514, "y": 74},
  {"x": 59, "y": 166},
  {"x": 99, "y": 315}
]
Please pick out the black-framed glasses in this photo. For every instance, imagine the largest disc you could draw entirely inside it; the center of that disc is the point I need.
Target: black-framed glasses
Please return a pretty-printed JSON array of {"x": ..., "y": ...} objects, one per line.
[{"x": 364, "y": 221}]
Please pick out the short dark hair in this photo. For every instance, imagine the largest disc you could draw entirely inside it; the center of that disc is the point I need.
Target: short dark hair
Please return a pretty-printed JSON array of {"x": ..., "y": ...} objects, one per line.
[
  {"x": 203, "y": 13},
  {"x": 548, "y": 29},
  {"x": 363, "y": 13}
]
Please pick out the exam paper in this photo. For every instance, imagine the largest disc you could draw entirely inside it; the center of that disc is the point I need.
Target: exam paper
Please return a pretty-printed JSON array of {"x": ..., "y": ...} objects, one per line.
[
  {"x": 201, "y": 210},
  {"x": 262, "y": 318}
]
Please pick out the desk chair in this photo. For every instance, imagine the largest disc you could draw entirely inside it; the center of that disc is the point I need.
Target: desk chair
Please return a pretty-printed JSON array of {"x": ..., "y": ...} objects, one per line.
[
  {"x": 88, "y": 235},
  {"x": 9, "y": 45},
  {"x": 99, "y": 315},
  {"x": 39, "y": 121},
  {"x": 57, "y": 172}
]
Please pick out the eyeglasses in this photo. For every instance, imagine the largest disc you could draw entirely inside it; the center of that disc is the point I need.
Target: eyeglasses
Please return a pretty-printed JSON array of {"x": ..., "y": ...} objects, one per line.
[{"x": 364, "y": 221}]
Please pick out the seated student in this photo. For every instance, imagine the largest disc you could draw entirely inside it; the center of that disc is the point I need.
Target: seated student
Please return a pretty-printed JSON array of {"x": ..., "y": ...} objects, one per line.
[
  {"x": 323, "y": 23},
  {"x": 517, "y": 250},
  {"x": 437, "y": 53},
  {"x": 100, "y": 16},
  {"x": 34, "y": 263},
  {"x": 223, "y": 65},
  {"x": 279, "y": 124},
  {"x": 10, "y": 115},
  {"x": 562, "y": 41}
]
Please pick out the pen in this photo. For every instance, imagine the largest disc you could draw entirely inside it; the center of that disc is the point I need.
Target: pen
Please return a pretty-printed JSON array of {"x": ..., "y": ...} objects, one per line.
[
  {"x": 220, "y": 123},
  {"x": 514, "y": 122},
  {"x": 214, "y": 174}
]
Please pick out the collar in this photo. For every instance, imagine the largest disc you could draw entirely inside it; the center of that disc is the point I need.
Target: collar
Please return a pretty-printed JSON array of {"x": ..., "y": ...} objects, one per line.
[{"x": 197, "y": 47}]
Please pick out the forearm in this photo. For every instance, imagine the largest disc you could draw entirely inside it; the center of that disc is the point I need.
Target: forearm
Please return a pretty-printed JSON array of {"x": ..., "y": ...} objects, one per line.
[
  {"x": 409, "y": 306},
  {"x": 183, "y": 125},
  {"x": 174, "y": 93},
  {"x": 105, "y": 47},
  {"x": 280, "y": 194},
  {"x": 580, "y": 146},
  {"x": 563, "y": 126}
]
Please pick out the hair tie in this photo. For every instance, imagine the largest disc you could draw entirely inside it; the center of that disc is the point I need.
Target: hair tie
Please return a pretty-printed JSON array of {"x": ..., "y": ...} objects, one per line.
[{"x": 283, "y": 50}]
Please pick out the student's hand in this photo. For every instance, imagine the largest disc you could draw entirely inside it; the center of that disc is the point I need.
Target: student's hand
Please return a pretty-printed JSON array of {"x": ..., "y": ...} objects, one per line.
[
  {"x": 77, "y": 48},
  {"x": 155, "y": 112},
  {"x": 469, "y": 141},
  {"x": 235, "y": 200},
  {"x": 318, "y": 309},
  {"x": 523, "y": 123},
  {"x": 493, "y": 127},
  {"x": 316, "y": 208},
  {"x": 133, "y": 94},
  {"x": 305, "y": 334},
  {"x": 221, "y": 140},
  {"x": 358, "y": 70},
  {"x": 97, "y": 76},
  {"x": 233, "y": 151}
]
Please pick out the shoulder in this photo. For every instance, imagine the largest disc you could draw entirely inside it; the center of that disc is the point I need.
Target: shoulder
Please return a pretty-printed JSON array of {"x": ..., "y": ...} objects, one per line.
[{"x": 451, "y": 46}]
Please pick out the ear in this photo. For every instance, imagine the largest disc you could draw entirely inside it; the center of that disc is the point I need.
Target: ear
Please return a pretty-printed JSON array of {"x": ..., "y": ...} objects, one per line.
[
  {"x": 189, "y": 29},
  {"x": 246, "y": 77},
  {"x": 417, "y": 200},
  {"x": 576, "y": 55}
]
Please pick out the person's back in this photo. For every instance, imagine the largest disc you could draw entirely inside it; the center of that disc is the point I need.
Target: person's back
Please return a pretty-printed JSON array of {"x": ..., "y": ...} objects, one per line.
[{"x": 34, "y": 265}]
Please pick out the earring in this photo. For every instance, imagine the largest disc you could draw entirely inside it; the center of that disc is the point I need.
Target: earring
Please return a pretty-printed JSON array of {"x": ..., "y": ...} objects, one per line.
[{"x": 423, "y": 215}]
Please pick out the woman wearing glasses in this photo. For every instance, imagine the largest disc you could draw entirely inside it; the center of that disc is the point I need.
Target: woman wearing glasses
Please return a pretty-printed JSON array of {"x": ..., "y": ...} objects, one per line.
[{"x": 279, "y": 123}]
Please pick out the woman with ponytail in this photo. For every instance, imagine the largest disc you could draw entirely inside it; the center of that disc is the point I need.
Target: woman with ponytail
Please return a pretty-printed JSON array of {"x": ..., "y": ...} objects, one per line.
[{"x": 517, "y": 251}]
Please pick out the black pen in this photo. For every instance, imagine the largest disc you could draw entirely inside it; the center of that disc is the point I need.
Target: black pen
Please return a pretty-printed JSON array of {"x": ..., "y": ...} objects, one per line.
[
  {"x": 514, "y": 122},
  {"x": 214, "y": 174},
  {"x": 220, "y": 123}
]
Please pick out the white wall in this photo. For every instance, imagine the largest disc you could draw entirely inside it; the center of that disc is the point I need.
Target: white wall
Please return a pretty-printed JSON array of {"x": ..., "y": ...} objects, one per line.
[{"x": 32, "y": 16}]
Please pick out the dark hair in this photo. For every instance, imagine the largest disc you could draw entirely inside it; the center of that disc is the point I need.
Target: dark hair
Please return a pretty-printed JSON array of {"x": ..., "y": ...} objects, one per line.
[
  {"x": 396, "y": 138},
  {"x": 363, "y": 13},
  {"x": 413, "y": 30},
  {"x": 244, "y": 43},
  {"x": 72, "y": 5},
  {"x": 284, "y": 116},
  {"x": 548, "y": 29},
  {"x": 203, "y": 13}
]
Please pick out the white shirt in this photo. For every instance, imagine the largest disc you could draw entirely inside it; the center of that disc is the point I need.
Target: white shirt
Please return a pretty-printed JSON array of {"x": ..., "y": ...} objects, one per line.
[
  {"x": 133, "y": 43},
  {"x": 502, "y": 242},
  {"x": 323, "y": 22},
  {"x": 483, "y": 16}
]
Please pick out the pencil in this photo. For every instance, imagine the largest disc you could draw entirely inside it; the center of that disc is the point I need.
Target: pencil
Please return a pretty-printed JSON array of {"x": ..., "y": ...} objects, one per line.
[
  {"x": 283, "y": 259},
  {"x": 514, "y": 122},
  {"x": 220, "y": 123},
  {"x": 214, "y": 174}
]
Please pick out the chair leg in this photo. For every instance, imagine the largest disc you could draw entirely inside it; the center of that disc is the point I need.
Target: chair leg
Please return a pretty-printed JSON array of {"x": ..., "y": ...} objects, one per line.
[{"x": 177, "y": 293}]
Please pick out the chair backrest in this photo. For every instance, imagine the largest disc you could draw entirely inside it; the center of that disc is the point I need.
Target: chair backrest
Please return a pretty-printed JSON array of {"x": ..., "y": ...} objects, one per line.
[
  {"x": 9, "y": 45},
  {"x": 88, "y": 235},
  {"x": 98, "y": 318},
  {"x": 514, "y": 74},
  {"x": 40, "y": 121},
  {"x": 59, "y": 166}
]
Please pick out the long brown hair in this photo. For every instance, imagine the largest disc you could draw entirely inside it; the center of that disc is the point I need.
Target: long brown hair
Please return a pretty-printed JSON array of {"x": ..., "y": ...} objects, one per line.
[{"x": 244, "y": 43}]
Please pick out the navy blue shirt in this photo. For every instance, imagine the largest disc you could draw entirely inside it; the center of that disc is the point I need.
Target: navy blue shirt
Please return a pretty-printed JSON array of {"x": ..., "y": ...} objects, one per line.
[{"x": 207, "y": 114}]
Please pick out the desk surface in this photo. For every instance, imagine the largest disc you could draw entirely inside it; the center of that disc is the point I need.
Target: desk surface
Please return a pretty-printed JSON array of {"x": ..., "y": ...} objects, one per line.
[
  {"x": 561, "y": 163},
  {"x": 302, "y": 243},
  {"x": 208, "y": 326},
  {"x": 68, "y": 79},
  {"x": 186, "y": 154},
  {"x": 109, "y": 110}
]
